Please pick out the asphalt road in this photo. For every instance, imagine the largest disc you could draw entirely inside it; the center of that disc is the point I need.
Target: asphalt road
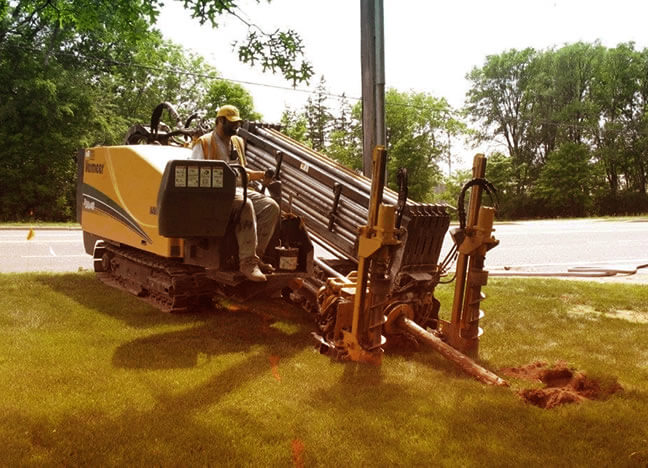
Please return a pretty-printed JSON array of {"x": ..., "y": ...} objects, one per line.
[
  {"x": 531, "y": 247},
  {"x": 543, "y": 247},
  {"x": 49, "y": 250}
]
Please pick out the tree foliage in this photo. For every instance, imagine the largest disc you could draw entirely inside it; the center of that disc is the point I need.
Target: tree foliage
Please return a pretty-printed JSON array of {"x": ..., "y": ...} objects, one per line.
[
  {"x": 295, "y": 125},
  {"x": 565, "y": 182},
  {"x": 318, "y": 116},
  {"x": 221, "y": 92},
  {"x": 419, "y": 127},
  {"x": 278, "y": 51},
  {"x": 76, "y": 74},
  {"x": 582, "y": 107},
  {"x": 345, "y": 136}
]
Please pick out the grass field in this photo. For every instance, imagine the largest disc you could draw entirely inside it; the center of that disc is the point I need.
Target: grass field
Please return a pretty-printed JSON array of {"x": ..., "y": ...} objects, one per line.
[{"x": 91, "y": 376}]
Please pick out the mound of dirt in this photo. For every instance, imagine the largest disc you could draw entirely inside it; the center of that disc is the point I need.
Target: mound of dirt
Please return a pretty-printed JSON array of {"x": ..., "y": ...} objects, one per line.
[{"x": 562, "y": 385}]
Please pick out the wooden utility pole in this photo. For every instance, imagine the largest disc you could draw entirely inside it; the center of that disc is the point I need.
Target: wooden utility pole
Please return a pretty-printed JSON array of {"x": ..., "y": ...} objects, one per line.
[{"x": 372, "y": 52}]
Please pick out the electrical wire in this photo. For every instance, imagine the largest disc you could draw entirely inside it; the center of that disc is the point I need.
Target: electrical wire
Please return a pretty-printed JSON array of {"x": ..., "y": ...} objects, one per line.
[
  {"x": 210, "y": 76},
  {"x": 342, "y": 96}
]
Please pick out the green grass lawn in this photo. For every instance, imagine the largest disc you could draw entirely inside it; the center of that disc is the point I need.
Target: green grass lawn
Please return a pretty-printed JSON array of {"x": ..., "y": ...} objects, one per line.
[{"x": 92, "y": 376}]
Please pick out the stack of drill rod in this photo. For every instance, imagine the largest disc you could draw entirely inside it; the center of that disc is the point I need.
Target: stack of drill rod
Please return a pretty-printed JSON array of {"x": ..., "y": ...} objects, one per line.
[{"x": 333, "y": 200}]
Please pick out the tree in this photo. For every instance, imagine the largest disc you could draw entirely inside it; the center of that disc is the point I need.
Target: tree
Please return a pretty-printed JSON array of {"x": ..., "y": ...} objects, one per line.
[
  {"x": 43, "y": 124},
  {"x": 499, "y": 100},
  {"x": 345, "y": 137},
  {"x": 128, "y": 92},
  {"x": 616, "y": 97},
  {"x": 108, "y": 22},
  {"x": 74, "y": 77},
  {"x": 580, "y": 94},
  {"x": 337, "y": 136},
  {"x": 566, "y": 182},
  {"x": 222, "y": 92},
  {"x": 318, "y": 117},
  {"x": 448, "y": 191},
  {"x": 295, "y": 125},
  {"x": 576, "y": 66},
  {"x": 500, "y": 171},
  {"x": 417, "y": 124}
]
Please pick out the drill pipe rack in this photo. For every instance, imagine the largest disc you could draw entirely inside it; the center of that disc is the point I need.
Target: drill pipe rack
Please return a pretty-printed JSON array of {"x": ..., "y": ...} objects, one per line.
[{"x": 334, "y": 200}]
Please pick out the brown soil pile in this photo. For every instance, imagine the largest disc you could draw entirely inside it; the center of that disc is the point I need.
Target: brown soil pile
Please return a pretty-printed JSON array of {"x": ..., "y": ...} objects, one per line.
[{"x": 562, "y": 385}]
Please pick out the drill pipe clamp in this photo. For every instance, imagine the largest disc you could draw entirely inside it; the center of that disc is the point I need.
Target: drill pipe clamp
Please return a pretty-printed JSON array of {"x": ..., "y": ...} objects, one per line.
[
  {"x": 372, "y": 238},
  {"x": 394, "y": 313},
  {"x": 479, "y": 236}
]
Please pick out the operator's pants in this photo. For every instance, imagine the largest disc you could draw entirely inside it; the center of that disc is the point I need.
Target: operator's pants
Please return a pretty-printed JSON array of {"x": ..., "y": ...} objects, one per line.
[{"x": 257, "y": 224}]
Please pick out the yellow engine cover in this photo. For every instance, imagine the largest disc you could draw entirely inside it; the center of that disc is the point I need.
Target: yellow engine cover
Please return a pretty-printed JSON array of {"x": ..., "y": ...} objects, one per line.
[{"x": 120, "y": 189}]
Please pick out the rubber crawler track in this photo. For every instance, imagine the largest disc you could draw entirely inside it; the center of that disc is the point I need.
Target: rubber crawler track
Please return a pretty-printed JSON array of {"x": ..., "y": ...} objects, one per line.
[{"x": 166, "y": 284}]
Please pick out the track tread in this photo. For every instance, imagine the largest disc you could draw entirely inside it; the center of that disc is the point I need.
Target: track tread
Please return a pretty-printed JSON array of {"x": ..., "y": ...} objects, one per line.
[{"x": 170, "y": 286}]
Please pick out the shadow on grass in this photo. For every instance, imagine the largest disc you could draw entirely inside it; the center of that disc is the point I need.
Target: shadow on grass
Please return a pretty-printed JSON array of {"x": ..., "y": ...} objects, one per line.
[
  {"x": 246, "y": 329},
  {"x": 210, "y": 333},
  {"x": 216, "y": 331},
  {"x": 473, "y": 426},
  {"x": 169, "y": 437},
  {"x": 88, "y": 291},
  {"x": 476, "y": 432},
  {"x": 219, "y": 332},
  {"x": 172, "y": 431}
]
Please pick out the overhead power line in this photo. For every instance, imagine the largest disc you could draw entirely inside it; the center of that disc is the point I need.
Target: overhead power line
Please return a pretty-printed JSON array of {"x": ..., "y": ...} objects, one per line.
[
  {"x": 343, "y": 96},
  {"x": 180, "y": 71}
]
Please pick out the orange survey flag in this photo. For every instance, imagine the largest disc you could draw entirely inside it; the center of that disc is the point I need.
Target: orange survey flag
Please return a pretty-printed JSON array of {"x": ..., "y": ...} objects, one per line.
[{"x": 30, "y": 234}]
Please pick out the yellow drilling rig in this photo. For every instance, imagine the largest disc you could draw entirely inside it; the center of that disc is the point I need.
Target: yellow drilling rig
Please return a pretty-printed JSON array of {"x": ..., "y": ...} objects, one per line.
[{"x": 161, "y": 225}]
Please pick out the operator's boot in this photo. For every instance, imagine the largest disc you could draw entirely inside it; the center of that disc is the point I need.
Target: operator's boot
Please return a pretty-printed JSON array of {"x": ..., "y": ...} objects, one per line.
[
  {"x": 250, "y": 268},
  {"x": 266, "y": 267}
]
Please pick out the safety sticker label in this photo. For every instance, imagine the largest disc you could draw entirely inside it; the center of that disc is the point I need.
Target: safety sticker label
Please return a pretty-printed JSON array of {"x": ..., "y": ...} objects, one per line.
[
  {"x": 205, "y": 176},
  {"x": 288, "y": 263},
  {"x": 192, "y": 176},
  {"x": 181, "y": 176},
  {"x": 217, "y": 180}
]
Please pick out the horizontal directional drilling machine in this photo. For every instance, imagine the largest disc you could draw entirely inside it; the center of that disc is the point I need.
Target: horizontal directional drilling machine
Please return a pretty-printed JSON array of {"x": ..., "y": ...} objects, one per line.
[{"x": 365, "y": 260}]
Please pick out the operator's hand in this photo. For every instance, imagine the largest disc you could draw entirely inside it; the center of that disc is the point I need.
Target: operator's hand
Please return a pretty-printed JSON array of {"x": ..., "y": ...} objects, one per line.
[
  {"x": 268, "y": 175},
  {"x": 254, "y": 175}
]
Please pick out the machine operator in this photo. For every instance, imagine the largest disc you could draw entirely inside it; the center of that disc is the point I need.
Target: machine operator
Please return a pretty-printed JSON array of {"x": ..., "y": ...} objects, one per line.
[{"x": 260, "y": 215}]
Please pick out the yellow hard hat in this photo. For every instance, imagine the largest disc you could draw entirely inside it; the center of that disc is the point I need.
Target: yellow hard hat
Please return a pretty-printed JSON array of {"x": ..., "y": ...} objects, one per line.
[{"x": 231, "y": 113}]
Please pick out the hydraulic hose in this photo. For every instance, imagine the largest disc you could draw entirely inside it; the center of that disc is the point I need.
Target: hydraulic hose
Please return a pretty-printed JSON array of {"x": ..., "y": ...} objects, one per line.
[{"x": 574, "y": 272}]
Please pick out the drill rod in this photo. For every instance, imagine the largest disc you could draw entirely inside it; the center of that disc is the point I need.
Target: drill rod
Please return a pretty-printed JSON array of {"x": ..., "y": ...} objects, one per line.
[{"x": 464, "y": 362}]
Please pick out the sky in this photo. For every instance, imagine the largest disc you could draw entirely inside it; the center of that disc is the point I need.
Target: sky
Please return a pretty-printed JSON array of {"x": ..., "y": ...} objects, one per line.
[{"x": 430, "y": 45}]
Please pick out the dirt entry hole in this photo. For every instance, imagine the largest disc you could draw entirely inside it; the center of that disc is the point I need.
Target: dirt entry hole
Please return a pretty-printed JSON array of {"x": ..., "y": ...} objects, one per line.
[{"x": 562, "y": 385}]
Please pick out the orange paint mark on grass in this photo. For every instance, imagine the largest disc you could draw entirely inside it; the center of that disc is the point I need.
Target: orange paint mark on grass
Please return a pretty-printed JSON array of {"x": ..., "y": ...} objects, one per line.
[
  {"x": 31, "y": 234},
  {"x": 274, "y": 367},
  {"x": 298, "y": 453}
]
